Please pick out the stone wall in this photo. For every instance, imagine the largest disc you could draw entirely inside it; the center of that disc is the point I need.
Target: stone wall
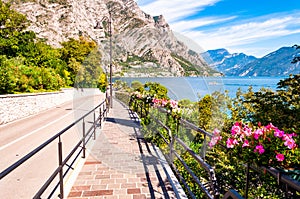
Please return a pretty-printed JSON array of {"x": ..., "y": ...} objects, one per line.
[{"x": 17, "y": 106}]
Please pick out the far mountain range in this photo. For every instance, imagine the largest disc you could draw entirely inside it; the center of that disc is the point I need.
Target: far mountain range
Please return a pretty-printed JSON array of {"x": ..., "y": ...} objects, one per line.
[{"x": 277, "y": 63}]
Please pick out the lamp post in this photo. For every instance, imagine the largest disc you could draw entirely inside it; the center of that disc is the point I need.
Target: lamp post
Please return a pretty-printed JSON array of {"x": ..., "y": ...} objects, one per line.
[{"x": 99, "y": 26}]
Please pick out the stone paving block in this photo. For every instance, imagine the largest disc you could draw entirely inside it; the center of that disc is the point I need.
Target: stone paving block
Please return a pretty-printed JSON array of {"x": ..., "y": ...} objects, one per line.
[
  {"x": 97, "y": 193},
  {"x": 81, "y": 188},
  {"x": 79, "y": 182},
  {"x": 134, "y": 191},
  {"x": 75, "y": 194},
  {"x": 139, "y": 196},
  {"x": 120, "y": 165},
  {"x": 99, "y": 187}
]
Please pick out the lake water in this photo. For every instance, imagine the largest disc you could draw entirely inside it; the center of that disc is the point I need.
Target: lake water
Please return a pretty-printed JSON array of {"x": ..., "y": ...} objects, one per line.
[{"x": 193, "y": 87}]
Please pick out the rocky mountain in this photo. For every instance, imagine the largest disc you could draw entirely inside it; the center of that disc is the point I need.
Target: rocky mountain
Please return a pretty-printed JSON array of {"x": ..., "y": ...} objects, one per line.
[
  {"x": 227, "y": 63},
  {"x": 142, "y": 44},
  {"x": 277, "y": 63}
]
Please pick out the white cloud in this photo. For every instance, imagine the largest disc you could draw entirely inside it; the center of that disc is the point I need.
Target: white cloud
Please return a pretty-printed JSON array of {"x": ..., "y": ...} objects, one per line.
[
  {"x": 246, "y": 33},
  {"x": 183, "y": 26},
  {"x": 176, "y": 9}
]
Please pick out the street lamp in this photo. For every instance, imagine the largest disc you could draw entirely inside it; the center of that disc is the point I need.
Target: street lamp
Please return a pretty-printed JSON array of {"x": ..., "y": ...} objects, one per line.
[{"x": 99, "y": 26}]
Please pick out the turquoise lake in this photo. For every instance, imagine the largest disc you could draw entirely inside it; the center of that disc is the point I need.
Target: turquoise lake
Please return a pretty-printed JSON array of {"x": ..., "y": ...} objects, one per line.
[{"x": 194, "y": 87}]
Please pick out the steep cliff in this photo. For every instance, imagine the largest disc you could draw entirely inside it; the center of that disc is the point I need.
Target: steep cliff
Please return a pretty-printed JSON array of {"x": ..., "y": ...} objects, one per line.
[{"x": 142, "y": 45}]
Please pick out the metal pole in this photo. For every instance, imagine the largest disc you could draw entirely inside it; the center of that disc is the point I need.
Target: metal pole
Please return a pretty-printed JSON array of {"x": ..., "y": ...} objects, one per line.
[
  {"x": 83, "y": 138},
  {"x": 100, "y": 116},
  {"x": 110, "y": 61},
  {"x": 61, "y": 178},
  {"x": 95, "y": 125}
]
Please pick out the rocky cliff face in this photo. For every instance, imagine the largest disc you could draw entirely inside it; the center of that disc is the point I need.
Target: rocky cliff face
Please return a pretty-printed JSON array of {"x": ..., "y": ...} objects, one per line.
[{"x": 135, "y": 34}]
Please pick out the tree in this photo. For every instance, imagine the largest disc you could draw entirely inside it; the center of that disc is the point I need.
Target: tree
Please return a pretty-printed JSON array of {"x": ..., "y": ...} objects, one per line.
[
  {"x": 12, "y": 31},
  {"x": 76, "y": 53},
  {"x": 102, "y": 82},
  {"x": 137, "y": 86},
  {"x": 28, "y": 64},
  {"x": 282, "y": 108},
  {"x": 157, "y": 90}
]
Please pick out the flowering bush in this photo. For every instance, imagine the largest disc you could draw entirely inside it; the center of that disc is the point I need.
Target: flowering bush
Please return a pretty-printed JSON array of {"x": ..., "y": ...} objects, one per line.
[
  {"x": 141, "y": 96},
  {"x": 264, "y": 145},
  {"x": 170, "y": 105}
]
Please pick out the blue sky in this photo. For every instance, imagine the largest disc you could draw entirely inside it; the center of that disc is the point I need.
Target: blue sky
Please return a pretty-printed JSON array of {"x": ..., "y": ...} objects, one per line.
[{"x": 254, "y": 27}]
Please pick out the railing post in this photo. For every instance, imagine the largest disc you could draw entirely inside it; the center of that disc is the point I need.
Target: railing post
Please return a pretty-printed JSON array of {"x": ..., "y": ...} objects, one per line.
[
  {"x": 106, "y": 99},
  {"x": 204, "y": 146},
  {"x": 105, "y": 108},
  {"x": 172, "y": 140},
  {"x": 95, "y": 125},
  {"x": 108, "y": 104},
  {"x": 61, "y": 176},
  {"x": 100, "y": 116},
  {"x": 83, "y": 138}
]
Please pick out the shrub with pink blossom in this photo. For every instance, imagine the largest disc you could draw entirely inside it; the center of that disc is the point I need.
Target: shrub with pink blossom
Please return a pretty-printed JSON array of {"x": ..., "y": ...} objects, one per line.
[
  {"x": 170, "y": 105},
  {"x": 262, "y": 145}
]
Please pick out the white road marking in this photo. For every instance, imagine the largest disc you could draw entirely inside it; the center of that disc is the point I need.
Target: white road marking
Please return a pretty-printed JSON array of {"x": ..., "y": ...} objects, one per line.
[
  {"x": 33, "y": 132},
  {"x": 36, "y": 130}
]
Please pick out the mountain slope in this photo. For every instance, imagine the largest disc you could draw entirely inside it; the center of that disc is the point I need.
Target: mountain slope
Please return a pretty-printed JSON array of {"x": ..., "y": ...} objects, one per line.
[
  {"x": 141, "y": 43},
  {"x": 227, "y": 63},
  {"x": 276, "y": 63}
]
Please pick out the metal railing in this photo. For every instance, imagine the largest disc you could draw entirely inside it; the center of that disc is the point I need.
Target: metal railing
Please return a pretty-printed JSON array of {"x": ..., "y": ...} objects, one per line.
[
  {"x": 210, "y": 188},
  {"x": 291, "y": 185},
  {"x": 103, "y": 108}
]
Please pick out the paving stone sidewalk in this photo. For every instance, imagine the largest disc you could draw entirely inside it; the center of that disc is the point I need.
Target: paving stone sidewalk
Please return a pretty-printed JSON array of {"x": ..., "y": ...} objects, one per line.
[{"x": 123, "y": 165}]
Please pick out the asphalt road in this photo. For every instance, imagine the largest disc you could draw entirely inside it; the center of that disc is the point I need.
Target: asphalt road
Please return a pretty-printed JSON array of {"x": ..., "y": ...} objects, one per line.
[{"x": 20, "y": 137}]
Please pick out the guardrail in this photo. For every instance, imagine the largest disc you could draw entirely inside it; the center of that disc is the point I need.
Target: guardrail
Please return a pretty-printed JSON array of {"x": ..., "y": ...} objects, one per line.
[
  {"x": 210, "y": 189},
  {"x": 103, "y": 108}
]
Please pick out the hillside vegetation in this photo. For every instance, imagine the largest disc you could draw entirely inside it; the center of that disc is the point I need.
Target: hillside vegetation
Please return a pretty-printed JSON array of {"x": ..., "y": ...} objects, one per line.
[{"x": 28, "y": 64}]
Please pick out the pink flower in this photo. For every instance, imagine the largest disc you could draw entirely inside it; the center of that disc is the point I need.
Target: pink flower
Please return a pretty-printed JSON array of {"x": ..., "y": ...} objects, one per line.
[
  {"x": 257, "y": 133},
  {"x": 246, "y": 143},
  {"x": 260, "y": 149},
  {"x": 164, "y": 102},
  {"x": 216, "y": 137},
  {"x": 279, "y": 157},
  {"x": 213, "y": 142},
  {"x": 236, "y": 129},
  {"x": 290, "y": 143},
  {"x": 294, "y": 135},
  {"x": 156, "y": 102},
  {"x": 235, "y": 142},
  {"x": 271, "y": 127},
  {"x": 231, "y": 142},
  {"x": 247, "y": 131},
  {"x": 173, "y": 103},
  {"x": 278, "y": 133},
  {"x": 216, "y": 132}
]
